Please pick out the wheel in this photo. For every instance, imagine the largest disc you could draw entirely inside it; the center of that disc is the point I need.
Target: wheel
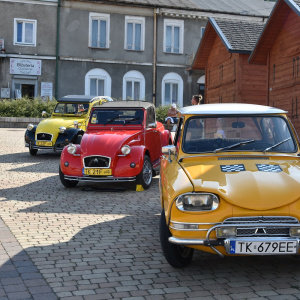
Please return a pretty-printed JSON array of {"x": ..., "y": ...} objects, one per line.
[
  {"x": 177, "y": 256},
  {"x": 145, "y": 177},
  {"x": 65, "y": 182},
  {"x": 33, "y": 152},
  {"x": 78, "y": 139}
]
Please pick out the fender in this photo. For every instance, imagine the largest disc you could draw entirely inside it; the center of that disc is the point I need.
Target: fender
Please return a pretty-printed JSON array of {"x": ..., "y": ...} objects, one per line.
[
  {"x": 166, "y": 138},
  {"x": 69, "y": 136},
  {"x": 136, "y": 156},
  {"x": 30, "y": 135},
  {"x": 74, "y": 161}
]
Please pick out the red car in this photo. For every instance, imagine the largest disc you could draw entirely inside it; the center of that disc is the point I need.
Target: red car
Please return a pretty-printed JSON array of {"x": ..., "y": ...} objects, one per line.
[{"x": 122, "y": 143}]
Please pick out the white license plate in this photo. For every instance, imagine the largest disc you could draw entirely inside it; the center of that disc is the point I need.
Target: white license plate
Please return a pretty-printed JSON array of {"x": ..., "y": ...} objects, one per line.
[{"x": 264, "y": 247}]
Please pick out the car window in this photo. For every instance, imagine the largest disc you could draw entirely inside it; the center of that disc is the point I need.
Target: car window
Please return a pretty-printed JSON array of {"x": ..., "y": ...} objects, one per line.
[
  {"x": 117, "y": 116},
  {"x": 71, "y": 108},
  {"x": 206, "y": 134}
]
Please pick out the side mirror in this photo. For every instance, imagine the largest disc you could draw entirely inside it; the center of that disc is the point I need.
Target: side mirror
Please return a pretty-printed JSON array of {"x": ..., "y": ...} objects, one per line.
[
  {"x": 152, "y": 125},
  {"x": 169, "y": 150}
]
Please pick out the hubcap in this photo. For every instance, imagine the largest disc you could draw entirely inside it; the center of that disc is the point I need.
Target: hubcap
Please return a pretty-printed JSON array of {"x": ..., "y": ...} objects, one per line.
[{"x": 147, "y": 172}]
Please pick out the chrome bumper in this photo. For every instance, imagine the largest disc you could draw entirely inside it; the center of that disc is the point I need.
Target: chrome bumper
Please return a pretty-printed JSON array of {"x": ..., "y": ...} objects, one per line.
[
  {"x": 225, "y": 241},
  {"x": 55, "y": 149},
  {"x": 100, "y": 179}
]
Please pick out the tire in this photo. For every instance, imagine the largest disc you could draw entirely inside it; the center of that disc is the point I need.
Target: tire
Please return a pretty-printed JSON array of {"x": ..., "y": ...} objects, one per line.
[
  {"x": 177, "y": 256},
  {"x": 65, "y": 182},
  {"x": 32, "y": 152},
  {"x": 78, "y": 139},
  {"x": 146, "y": 175}
]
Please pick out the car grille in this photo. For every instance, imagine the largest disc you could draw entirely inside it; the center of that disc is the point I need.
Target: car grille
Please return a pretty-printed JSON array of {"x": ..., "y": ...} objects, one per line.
[
  {"x": 96, "y": 162},
  {"x": 44, "y": 136},
  {"x": 263, "y": 230}
]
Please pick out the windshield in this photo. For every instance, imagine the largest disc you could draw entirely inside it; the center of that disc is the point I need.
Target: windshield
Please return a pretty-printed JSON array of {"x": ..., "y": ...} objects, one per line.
[
  {"x": 117, "y": 116},
  {"x": 246, "y": 133},
  {"x": 75, "y": 109}
]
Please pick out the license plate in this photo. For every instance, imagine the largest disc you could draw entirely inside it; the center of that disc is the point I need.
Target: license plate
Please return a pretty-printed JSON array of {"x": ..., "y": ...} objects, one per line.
[
  {"x": 40, "y": 143},
  {"x": 97, "y": 172},
  {"x": 264, "y": 247}
]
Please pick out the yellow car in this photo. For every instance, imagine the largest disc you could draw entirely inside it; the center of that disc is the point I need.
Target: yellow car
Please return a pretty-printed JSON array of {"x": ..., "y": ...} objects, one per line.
[
  {"x": 230, "y": 184},
  {"x": 66, "y": 125}
]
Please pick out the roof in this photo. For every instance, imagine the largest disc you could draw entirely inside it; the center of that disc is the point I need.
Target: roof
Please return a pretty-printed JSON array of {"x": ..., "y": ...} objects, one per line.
[
  {"x": 126, "y": 104},
  {"x": 272, "y": 29},
  {"x": 229, "y": 109},
  {"x": 82, "y": 98},
  {"x": 237, "y": 37},
  {"x": 239, "y": 7}
]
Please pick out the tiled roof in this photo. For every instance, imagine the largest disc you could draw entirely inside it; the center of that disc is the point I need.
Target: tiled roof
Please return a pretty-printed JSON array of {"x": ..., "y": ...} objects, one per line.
[
  {"x": 238, "y": 36},
  {"x": 240, "y": 7}
]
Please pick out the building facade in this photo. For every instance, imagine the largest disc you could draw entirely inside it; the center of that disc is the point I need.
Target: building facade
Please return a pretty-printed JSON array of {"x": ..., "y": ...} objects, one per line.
[{"x": 123, "y": 49}]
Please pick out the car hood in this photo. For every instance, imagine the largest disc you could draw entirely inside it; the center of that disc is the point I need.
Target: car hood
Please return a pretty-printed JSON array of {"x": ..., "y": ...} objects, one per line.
[
  {"x": 107, "y": 143},
  {"x": 52, "y": 125},
  {"x": 257, "y": 184}
]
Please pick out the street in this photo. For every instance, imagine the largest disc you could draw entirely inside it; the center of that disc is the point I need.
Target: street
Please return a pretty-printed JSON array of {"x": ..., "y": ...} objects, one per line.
[{"x": 90, "y": 243}]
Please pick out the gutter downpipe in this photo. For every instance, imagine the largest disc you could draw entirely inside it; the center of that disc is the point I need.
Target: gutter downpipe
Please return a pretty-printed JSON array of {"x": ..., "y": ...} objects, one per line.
[
  {"x": 57, "y": 48},
  {"x": 156, "y": 11}
]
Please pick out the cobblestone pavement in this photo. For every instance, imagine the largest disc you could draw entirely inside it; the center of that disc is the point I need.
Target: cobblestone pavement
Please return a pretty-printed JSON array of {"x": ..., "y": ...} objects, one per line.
[{"x": 82, "y": 243}]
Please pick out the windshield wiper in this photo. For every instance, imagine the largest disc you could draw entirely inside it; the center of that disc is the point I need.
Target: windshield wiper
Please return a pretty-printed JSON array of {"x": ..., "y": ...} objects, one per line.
[
  {"x": 274, "y": 146},
  {"x": 131, "y": 120},
  {"x": 234, "y": 145},
  {"x": 111, "y": 120}
]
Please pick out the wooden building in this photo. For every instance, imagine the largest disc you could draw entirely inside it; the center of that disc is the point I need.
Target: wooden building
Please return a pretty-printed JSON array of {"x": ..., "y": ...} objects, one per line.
[
  {"x": 223, "y": 53},
  {"x": 279, "y": 49}
]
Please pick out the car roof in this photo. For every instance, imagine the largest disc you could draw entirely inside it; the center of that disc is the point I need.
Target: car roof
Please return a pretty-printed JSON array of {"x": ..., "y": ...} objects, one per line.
[
  {"x": 82, "y": 98},
  {"x": 229, "y": 109},
  {"x": 126, "y": 104}
]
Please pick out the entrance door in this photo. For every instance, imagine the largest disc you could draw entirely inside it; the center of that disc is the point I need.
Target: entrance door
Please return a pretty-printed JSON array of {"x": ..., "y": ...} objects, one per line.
[{"x": 28, "y": 89}]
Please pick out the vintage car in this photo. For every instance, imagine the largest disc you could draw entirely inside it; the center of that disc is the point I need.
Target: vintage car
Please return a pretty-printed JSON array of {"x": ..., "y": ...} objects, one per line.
[
  {"x": 230, "y": 183},
  {"x": 66, "y": 124},
  {"x": 122, "y": 143}
]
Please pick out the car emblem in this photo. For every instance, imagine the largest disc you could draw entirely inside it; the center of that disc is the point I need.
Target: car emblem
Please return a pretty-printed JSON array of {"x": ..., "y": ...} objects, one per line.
[
  {"x": 260, "y": 231},
  {"x": 95, "y": 161},
  {"x": 43, "y": 136}
]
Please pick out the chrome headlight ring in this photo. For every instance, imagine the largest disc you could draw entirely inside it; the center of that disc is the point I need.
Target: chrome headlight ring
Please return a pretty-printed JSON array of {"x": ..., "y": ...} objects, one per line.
[
  {"x": 72, "y": 149},
  {"x": 30, "y": 127},
  {"x": 197, "y": 202},
  {"x": 126, "y": 150},
  {"x": 62, "y": 129}
]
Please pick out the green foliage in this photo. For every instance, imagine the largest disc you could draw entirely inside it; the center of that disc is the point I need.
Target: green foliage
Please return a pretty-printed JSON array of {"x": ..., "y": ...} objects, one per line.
[
  {"x": 161, "y": 112},
  {"x": 26, "y": 107}
]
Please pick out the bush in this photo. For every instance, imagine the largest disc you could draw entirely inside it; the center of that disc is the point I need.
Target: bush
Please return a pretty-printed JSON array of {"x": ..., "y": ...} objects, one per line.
[
  {"x": 161, "y": 112},
  {"x": 26, "y": 107}
]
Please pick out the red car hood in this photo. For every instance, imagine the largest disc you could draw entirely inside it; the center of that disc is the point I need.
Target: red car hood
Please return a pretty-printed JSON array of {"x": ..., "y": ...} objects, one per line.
[{"x": 108, "y": 142}]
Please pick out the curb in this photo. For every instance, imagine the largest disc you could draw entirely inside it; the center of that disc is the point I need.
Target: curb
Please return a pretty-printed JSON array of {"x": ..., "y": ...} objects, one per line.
[{"x": 18, "y": 122}]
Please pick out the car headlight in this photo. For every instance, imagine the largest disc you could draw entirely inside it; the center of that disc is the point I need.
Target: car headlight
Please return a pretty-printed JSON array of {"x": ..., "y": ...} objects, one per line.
[
  {"x": 62, "y": 129},
  {"x": 295, "y": 231},
  {"x": 224, "y": 232},
  {"x": 30, "y": 127},
  {"x": 125, "y": 149},
  {"x": 197, "y": 202},
  {"x": 72, "y": 149}
]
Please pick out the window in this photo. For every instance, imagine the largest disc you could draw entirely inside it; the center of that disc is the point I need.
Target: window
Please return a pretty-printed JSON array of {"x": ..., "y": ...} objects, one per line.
[
  {"x": 172, "y": 89},
  {"x": 134, "y": 33},
  {"x": 134, "y": 86},
  {"x": 25, "y": 32},
  {"x": 173, "y": 36},
  {"x": 98, "y": 83},
  {"x": 202, "y": 31},
  {"x": 99, "y": 30}
]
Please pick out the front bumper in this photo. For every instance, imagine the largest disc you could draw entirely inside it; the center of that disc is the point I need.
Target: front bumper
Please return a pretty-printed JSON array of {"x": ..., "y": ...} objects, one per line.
[
  {"x": 225, "y": 242},
  {"x": 53, "y": 148},
  {"x": 100, "y": 179}
]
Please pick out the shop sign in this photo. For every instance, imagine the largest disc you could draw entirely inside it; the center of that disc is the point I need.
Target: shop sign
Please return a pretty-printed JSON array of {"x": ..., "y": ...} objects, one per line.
[
  {"x": 46, "y": 90},
  {"x": 25, "y": 66}
]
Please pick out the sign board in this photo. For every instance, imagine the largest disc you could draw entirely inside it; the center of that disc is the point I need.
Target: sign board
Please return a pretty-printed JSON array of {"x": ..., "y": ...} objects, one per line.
[
  {"x": 46, "y": 90},
  {"x": 25, "y": 66}
]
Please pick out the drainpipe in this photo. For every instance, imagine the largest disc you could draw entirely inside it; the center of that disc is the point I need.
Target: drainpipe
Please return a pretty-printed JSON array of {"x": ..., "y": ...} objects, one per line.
[
  {"x": 57, "y": 48},
  {"x": 156, "y": 11}
]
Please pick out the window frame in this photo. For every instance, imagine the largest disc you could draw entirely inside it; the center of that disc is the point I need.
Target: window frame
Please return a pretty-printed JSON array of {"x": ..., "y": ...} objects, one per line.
[
  {"x": 174, "y": 23},
  {"x": 172, "y": 78},
  {"x": 135, "y": 20},
  {"x": 99, "y": 74},
  {"x": 134, "y": 76},
  {"x": 99, "y": 17},
  {"x": 34, "y": 31}
]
